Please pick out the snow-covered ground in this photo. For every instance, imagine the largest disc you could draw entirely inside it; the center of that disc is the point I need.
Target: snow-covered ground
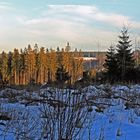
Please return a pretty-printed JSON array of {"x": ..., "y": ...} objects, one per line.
[{"x": 113, "y": 112}]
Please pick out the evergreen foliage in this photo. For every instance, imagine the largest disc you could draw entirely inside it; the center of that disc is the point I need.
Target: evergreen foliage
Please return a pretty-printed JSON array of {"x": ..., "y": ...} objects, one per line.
[
  {"x": 61, "y": 75},
  {"x": 111, "y": 64},
  {"x": 124, "y": 56},
  {"x": 120, "y": 64},
  {"x": 38, "y": 64}
]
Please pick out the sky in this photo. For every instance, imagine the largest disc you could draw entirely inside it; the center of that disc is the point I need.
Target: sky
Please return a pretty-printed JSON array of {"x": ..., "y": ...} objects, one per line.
[{"x": 86, "y": 24}]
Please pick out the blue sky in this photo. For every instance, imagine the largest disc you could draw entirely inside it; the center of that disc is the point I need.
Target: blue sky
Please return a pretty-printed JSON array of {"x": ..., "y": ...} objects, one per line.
[{"x": 86, "y": 24}]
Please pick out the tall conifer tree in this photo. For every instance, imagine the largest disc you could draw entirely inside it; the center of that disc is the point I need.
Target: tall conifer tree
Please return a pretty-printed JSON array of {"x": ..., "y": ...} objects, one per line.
[
  {"x": 124, "y": 55},
  {"x": 111, "y": 64}
]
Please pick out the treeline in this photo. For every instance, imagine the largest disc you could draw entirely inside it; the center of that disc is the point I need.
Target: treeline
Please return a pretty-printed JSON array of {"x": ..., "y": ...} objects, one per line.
[
  {"x": 39, "y": 65},
  {"x": 120, "y": 65}
]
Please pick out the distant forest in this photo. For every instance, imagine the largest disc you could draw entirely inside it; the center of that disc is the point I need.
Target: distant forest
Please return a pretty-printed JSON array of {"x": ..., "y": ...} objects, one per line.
[{"x": 39, "y": 65}]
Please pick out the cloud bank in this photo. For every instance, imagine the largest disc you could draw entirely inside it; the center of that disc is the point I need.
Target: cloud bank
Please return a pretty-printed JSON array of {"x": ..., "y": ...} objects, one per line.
[{"x": 83, "y": 26}]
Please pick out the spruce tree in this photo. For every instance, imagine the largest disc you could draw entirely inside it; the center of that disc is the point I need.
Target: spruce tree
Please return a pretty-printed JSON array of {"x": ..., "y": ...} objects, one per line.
[
  {"x": 61, "y": 75},
  {"x": 111, "y": 65},
  {"x": 124, "y": 56}
]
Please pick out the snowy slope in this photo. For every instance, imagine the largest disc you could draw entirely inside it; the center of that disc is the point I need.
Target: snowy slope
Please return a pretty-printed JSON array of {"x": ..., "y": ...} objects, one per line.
[{"x": 118, "y": 119}]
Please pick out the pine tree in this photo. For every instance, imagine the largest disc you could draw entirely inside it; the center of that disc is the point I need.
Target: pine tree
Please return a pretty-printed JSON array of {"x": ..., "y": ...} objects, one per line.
[
  {"x": 37, "y": 63},
  {"x": 16, "y": 66},
  {"x": 52, "y": 64},
  {"x": 31, "y": 63},
  {"x": 42, "y": 65},
  {"x": 23, "y": 67},
  {"x": 4, "y": 66},
  {"x": 9, "y": 70},
  {"x": 124, "y": 55},
  {"x": 111, "y": 65}
]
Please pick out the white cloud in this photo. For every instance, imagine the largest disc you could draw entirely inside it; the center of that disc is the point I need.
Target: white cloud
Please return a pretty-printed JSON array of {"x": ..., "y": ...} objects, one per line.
[
  {"x": 83, "y": 10},
  {"x": 80, "y": 13},
  {"x": 4, "y": 6},
  {"x": 93, "y": 13},
  {"x": 75, "y": 23}
]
